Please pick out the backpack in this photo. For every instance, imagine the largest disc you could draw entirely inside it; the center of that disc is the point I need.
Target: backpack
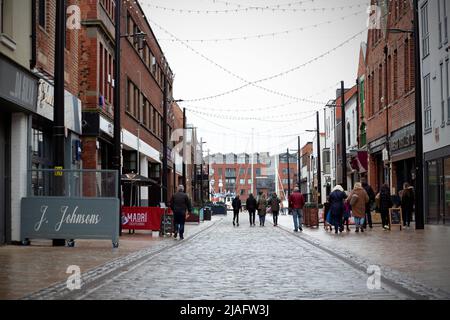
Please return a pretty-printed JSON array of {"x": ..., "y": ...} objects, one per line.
[{"x": 275, "y": 205}]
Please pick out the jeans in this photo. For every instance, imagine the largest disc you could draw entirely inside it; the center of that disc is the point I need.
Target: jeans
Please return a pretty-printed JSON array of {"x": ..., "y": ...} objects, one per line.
[
  {"x": 236, "y": 216},
  {"x": 251, "y": 215},
  {"x": 359, "y": 222},
  {"x": 275, "y": 218},
  {"x": 297, "y": 215},
  {"x": 262, "y": 219},
  {"x": 179, "y": 220}
]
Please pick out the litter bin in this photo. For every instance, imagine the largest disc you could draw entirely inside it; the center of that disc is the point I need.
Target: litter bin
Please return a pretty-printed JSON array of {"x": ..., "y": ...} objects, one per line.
[{"x": 207, "y": 213}]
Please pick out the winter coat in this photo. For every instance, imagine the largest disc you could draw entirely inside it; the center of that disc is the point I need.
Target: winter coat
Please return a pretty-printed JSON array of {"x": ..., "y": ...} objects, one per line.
[
  {"x": 407, "y": 199},
  {"x": 296, "y": 201},
  {"x": 236, "y": 204},
  {"x": 274, "y": 203},
  {"x": 359, "y": 207},
  {"x": 251, "y": 204},
  {"x": 385, "y": 201},
  {"x": 337, "y": 206},
  {"x": 180, "y": 203},
  {"x": 262, "y": 205}
]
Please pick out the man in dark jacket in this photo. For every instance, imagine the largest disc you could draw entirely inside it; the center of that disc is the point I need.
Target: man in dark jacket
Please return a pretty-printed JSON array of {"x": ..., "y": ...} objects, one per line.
[
  {"x": 251, "y": 208},
  {"x": 296, "y": 203},
  {"x": 369, "y": 205},
  {"x": 237, "y": 206},
  {"x": 179, "y": 204}
]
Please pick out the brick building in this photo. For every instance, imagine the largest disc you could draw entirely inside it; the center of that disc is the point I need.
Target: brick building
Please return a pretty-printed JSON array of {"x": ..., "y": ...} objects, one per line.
[
  {"x": 231, "y": 174},
  {"x": 144, "y": 73},
  {"x": 389, "y": 96}
]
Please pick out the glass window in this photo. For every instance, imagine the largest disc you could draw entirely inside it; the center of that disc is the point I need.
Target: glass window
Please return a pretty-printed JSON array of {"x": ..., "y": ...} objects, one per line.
[
  {"x": 447, "y": 187},
  {"x": 242, "y": 181},
  {"x": 425, "y": 31},
  {"x": 427, "y": 101},
  {"x": 433, "y": 192},
  {"x": 441, "y": 69},
  {"x": 258, "y": 171},
  {"x": 42, "y": 12},
  {"x": 447, "y": 88}
]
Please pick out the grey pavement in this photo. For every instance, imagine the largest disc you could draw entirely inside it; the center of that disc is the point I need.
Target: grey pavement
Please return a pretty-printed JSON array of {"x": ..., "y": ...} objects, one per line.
[{"x": 226, "y": 262}]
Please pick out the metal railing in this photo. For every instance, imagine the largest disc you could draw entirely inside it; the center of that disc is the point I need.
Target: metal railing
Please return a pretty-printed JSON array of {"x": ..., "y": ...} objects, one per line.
[{"x": 73, "y": 183}]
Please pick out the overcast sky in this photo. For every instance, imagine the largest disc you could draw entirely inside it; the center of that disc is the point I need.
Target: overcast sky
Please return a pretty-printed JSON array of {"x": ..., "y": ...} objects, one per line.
[{"x": 252, "y": 59}]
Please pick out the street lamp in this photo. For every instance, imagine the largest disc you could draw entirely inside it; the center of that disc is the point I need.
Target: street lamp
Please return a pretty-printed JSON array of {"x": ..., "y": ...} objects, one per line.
[{"x": 319, "y": 171}]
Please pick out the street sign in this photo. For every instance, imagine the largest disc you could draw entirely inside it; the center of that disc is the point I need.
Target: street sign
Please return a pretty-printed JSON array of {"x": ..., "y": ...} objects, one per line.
[{"x": 58, "y": 173}]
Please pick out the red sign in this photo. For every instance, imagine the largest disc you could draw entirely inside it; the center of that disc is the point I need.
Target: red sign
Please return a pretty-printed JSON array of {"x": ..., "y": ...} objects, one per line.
[{"x": 142, "y": 218}]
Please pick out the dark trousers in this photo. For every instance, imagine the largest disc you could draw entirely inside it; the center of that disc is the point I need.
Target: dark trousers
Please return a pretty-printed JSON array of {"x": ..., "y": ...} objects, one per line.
[
  {"x": 252, "y": 215},
  {"x": 179, "y": 221},
  {"x": 368, "y": 219},
  {"x": 236, "y": 216},
  {"x": 275, "y": 217},
  {"x": 346, "y": 222},
  {"x": 262, "y": 219},
  {"x": 385, "y": 218},
  {"x": 407, "y": 213}
]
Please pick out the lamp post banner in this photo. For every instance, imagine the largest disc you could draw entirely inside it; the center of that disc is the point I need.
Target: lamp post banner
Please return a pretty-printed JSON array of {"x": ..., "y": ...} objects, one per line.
[{"x": 70, "y": 218}]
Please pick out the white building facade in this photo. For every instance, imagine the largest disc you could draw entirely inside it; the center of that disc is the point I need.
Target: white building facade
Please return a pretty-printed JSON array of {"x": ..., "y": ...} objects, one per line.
[{"x": 435, "y": 78}]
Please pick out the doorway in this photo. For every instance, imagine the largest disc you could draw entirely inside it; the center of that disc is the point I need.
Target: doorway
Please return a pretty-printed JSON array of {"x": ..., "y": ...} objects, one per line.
[{"x": 436, "y": 193}]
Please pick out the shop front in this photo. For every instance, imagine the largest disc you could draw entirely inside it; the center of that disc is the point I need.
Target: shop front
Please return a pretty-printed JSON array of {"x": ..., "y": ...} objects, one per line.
[
  {"x": 437, "y": 186},
  {"x": 403, "y": 152},
  {"x": 18, "y": 99}
]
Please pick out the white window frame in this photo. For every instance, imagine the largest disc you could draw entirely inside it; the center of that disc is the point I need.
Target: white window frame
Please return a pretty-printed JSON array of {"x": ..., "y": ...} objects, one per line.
[
  {"x": 441, "y": 70},
  {"x": 425, "y": 30},
  {"x": 439, "y": 23},
  {"x": 427, "y": 103},
  {"x": 444, "y": 8},
  {"x": 447, "y": 76}
]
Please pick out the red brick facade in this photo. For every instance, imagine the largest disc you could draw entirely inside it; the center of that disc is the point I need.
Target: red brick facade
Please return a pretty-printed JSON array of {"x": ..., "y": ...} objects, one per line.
[{"x": 389, "y": 84}]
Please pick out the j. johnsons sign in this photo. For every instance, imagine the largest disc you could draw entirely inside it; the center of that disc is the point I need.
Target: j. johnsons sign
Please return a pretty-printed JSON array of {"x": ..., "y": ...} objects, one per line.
[{"x": 70, "y": 218}]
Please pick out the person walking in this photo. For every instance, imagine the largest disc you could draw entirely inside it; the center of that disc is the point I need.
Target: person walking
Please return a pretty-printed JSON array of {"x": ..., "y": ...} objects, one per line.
[
  {"x": 296, "y": 204},
  {"x": 385, "y": 204},
  {"x": 251, "y": 205},
  {"x": 262, "y": 207},
  {"x": 180, "y": 203},
  {"x": 407, "y": 203},
  {"x": 337, "y": 198},
  {"x": 358, "y": 199},
  {"x": 369, "y": 205},
  {"x": 274, "y": 204},
  {"x": 237, "y": 207}
]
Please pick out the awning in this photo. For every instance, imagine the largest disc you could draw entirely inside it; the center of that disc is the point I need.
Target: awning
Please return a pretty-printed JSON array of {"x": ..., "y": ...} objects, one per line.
[
  {"x": 359, "y": 162},
  {"x": 136, "y": 179}
]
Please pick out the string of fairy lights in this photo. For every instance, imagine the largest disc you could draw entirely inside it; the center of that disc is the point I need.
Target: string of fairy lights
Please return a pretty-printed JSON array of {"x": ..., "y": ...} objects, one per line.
[
  {"x": 256, "y": 8},
  {"x": 270, "y": 34},
  {"x": 255, "y": 83}
]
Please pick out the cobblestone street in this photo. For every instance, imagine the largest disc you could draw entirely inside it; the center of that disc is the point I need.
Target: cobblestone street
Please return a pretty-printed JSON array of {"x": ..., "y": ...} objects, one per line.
[{"x": 225, "y": 262}]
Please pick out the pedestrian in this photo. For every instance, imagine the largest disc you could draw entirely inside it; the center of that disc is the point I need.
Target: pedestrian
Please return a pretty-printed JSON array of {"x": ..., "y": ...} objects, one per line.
[
  {"x": 180, "y": 203},
  {"x": 407, "y": 203},
  {"x": 369, "y": 205},
  {"x": 251, "y": 205},
  {"x": 385, "y": 201},
  {"x": 358, "y": 199},
  {"x": 274, "y": 204},
  {"x": 347, "y": 213},
  {"x": 262, "y": 207},
  {"x": 237, "y": 207},
  {"x": 337, "y": 198},
  {"x": 296, "y": 204}
]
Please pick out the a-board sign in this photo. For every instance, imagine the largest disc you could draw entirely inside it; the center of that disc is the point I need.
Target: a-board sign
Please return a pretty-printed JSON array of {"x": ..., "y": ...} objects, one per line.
[
  {"x": 395, "y": 217},
  {"x": 167, "y": 223}
]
